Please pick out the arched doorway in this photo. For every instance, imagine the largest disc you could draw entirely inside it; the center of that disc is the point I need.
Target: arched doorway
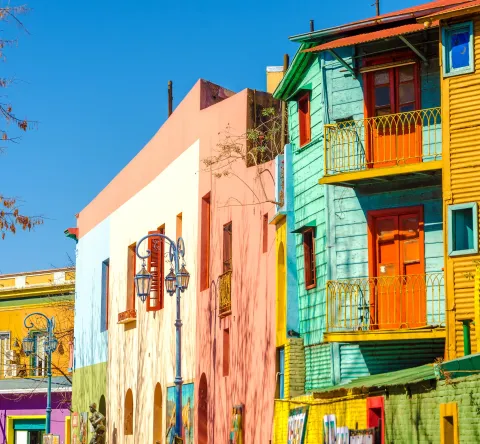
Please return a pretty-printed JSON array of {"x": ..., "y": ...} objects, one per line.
[
  {"x": 157, "y": 415},
  {"x": 281, "y": 296},
  {"x": 128, "y": 418},
  {"x": 203, "y": 410},
  {"x": 102, "y": 406}
]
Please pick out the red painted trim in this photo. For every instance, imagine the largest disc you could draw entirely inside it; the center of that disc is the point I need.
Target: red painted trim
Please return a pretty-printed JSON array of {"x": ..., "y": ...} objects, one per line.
[
  {"x": 310, "y": 280},
  {"x": 376, "y": 402},
  {"x": 304, "y": 121}
]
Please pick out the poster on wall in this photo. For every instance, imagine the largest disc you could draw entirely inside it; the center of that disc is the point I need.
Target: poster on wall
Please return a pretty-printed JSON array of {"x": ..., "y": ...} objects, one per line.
[
  {"x": 297, "y": 423},
  {"x": 342, "y": 435},
  {"x": 365, "y": 436},
  {"x": 187, "y": 413},
  {"x": 329, "y": 429},
  {"x": 75, "y": 419},
  {"x": 83, "y": 427}
]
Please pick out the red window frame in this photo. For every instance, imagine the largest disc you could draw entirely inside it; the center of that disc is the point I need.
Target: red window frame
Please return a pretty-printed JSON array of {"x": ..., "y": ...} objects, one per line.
[
  {"x": 227, "y": 247},
  {"x": 265, "y": 233},
  {"x": 156, "y": 267},
  {"x": 304, "y": 121},
  {"x": 368, "y": 80},
  {"x": 226, "y": 352},
  {"x": 205, "y": 244},
  {"x": 309, "y": 262},
  {"x": 131, "y": 270}
]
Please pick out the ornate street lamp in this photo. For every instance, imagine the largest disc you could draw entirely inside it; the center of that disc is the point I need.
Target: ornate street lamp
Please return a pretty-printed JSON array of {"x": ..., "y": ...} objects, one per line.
[
  {"x": 171, "y": 282},
  {"x": 176, "y": 282},
  {"x": 184, "y": 278},
  {"x": 51, "y": 343},
  {"x": 27, "y": 345},
  {"x": 143, "y": 282}
]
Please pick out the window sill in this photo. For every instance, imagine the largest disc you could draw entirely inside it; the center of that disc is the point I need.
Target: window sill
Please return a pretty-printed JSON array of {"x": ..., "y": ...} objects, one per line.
[
  {"x": 459, "y": 72},
  {"x": 307, "y": 145},
  {"x": 463, "y": 252},
  {"x": 128, "y": 316}
]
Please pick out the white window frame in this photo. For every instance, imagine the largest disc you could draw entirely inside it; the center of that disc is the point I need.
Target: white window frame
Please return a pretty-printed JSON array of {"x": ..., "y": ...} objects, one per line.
[{"x": 448, "y": 71}]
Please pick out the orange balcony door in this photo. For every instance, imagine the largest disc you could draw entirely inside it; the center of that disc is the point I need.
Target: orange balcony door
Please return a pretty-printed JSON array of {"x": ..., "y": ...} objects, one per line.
[
  {"x": 397, "y": 267},
  {"x": 392, "y": 137}
]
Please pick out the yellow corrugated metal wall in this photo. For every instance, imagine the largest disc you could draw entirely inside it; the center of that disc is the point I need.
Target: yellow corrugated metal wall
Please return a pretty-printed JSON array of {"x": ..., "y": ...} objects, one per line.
[{"x": 461, "y": 184}]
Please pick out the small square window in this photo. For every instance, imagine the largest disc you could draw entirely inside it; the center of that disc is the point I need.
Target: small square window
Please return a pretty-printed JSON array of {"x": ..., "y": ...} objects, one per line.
[
  {"x": 458, "y": 49},
  {"x": 462, "y": 229}
]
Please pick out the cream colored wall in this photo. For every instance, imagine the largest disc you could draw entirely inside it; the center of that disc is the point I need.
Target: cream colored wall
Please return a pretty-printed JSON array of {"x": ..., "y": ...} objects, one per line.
[{"x": 143, "y": 353}]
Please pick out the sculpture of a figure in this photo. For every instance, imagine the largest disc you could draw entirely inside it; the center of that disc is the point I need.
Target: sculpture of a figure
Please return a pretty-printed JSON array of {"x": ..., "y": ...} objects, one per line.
[{"x": 97, "y": 421}]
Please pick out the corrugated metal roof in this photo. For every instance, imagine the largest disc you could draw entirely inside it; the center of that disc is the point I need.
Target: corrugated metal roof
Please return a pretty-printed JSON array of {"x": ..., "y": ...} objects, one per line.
[
  {"x": 33, "y": 385},
  {"x": 465, "y": 5},
  {"x": 402, "y": 14},
  {"x": 368, "y": 37},
  {"x": 400, "y": 377}
]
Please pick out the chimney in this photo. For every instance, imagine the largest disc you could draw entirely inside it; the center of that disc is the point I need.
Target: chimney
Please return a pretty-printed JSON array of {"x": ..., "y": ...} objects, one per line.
[
  {"x": 170, "y": 98},
  {"x": 274, "y": 77}
]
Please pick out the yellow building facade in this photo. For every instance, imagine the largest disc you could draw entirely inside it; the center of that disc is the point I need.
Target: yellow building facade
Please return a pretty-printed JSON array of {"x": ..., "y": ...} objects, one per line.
[
  {"x": 460, "y": 86},
  {"x": 50, "y": 292}
]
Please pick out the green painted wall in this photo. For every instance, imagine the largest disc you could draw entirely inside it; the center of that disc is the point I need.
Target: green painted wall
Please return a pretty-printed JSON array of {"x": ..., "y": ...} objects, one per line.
[
  {"x": 309, "y": 204},
  {"x": 89, "y": 385},
  {"x": 416, "y": 419}
]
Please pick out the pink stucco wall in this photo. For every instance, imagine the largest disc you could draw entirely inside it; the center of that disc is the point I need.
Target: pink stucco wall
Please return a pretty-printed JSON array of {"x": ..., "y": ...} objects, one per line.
[{"x": 251, "y": 325}]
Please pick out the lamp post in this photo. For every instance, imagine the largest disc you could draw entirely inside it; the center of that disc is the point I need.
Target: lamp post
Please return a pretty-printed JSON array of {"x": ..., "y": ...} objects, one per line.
[
  {"x": 50, "y": 346},
  {"x": 176, "y": 282}
]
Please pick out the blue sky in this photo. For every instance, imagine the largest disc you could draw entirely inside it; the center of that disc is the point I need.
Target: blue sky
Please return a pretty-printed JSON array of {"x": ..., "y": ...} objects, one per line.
[{"x": 94, "y": 75}]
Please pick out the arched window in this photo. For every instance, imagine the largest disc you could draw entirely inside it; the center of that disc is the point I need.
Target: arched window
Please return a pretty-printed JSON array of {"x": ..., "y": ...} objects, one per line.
[
  {"x": 157, "y": 415},
  {"x": 128, "y": 412},
  {"x": 203, "y": 410}
]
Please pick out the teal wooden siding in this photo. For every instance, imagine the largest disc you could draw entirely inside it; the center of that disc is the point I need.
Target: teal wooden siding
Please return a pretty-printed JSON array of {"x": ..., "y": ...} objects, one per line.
[
  {"x": 309, "y": 204},
  {"x": 341, "y": 247},
  {"x": 319, "y": 367},
  {"x": 370, "y": 358}
]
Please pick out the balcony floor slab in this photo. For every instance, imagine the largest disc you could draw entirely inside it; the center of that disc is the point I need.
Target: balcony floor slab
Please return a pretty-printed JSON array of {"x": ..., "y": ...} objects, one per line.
[
  {"x": 386, "y": 335},
  {"x": 375, "y": 179}
]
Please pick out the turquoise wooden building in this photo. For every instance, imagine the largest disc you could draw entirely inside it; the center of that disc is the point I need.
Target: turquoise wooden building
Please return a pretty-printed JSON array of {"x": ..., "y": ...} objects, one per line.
[{"x": 366, "y": 134}]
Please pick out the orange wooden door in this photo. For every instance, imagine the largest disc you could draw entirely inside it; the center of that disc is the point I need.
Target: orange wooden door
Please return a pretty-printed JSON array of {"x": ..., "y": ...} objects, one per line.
[
  {"x": 414, "y": 304},
  {"x": 384, "y": 290},
  {"x": 383, "y": 143},
  {"x": 394, "y": 133},
  {"x": 407, "y": 125},
  {"x": 397, "y": 293}
]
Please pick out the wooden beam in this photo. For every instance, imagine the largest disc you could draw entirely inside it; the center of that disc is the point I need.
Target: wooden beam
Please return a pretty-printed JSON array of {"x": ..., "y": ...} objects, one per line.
[
  {"x": 343, "y": 63},
  {"x": 412, "y": 47}
]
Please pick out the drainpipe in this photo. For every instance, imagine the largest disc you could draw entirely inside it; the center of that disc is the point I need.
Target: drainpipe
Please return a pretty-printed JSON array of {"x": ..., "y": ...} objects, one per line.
[
  {"x": 467, "y": 345},
  {"x": 283, "y": 109}
]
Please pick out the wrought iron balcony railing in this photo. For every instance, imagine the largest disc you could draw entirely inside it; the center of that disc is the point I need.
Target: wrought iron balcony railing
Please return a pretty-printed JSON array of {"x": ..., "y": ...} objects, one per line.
[
  {"x": 225, "y": 294},
  {"x": 389, "y": 140},
  {"x": 388, "y": 302}
]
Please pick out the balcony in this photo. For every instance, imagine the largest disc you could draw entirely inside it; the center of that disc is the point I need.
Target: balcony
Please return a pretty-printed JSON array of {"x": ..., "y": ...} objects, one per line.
[
  {"x": 378, "y": 150},
  {"x": 225, "y": 296},
  {"x": 386, "y": 308}
]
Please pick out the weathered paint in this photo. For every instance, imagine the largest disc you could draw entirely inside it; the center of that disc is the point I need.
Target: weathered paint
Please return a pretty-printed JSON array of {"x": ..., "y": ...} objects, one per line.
[
  {"x": 350, "y": 412},
  {"x": 251, "y": 323},
  {"x": 461, "y": 132},
  {"x": 413, "y": 415},
  {"x": 89, "y": 385}
]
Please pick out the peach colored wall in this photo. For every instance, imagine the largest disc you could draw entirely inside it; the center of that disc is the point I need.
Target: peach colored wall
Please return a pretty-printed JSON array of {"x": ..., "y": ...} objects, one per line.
[
  {"x": 202, "y": 116},
  {"x": 252, "y": 323}
]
